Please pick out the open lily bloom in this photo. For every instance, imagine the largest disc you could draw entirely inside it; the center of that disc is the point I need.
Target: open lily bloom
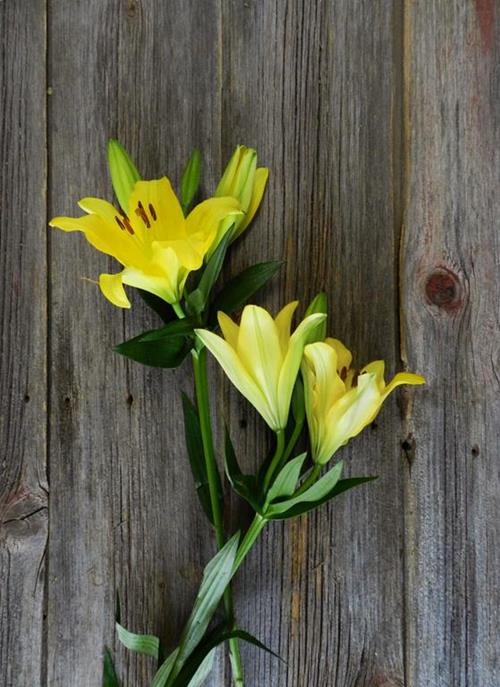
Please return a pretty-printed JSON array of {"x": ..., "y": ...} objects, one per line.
[
  {"x": 339, "y": 401},
  {"x": 261, "y": 357},
  {"x": 157, "y": 246},
  {"x": 246, "y": 182}
]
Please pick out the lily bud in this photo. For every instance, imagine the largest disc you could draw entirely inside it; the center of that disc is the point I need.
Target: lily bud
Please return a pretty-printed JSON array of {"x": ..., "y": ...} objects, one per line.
[
  {"x": 319, "y": 304},
  {"x": 124, "y": 174},
  {"x": 246, "y": 182}
]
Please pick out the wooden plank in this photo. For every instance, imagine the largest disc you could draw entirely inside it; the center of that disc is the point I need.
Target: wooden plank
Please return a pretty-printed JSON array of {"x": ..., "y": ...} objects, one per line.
[
  {"x": 450, "y": 292},
  {"x": 125, "y": 516},
  {"x": 316, "y": 88},
  {"x": 23, "y": 483}
]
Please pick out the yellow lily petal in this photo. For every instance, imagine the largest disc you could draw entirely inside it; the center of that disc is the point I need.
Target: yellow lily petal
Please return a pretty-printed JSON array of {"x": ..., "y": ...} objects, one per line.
[
  {"x": 203, "y": 221},
  {"x": 344, "y": 355},
  {"x": 351, "y": 413},
  {"x": 155, "y": 211},
  {"x": 283, "y": 322},
  {"x": 291, "y": 364},
  {"x": 377, "y": 368},
  {"x": 112, "y": 287},
  {"x": 239, "y": 376},
  {"x": 229, "y": 329},
  {"x": 99, "y": 233},
  {"x": 403, "y": 378},
  {"x": 259, "y": 349}
]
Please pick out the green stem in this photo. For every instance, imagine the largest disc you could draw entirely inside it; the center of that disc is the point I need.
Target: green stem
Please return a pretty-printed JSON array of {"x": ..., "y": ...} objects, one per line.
[
  {"x": 280, "y": 447},
  {"x": 178, "y": 310},
  {"x": 313, "y": 476},
  {"x": 248, "y": 540},
  {"x": 203, "y": 403},
  {"x": 297, "y": 430}
]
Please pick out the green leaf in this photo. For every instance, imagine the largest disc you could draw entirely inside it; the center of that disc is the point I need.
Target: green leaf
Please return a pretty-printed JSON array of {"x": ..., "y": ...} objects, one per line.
[
  {"x": 245, "y": 486},
  {"x": 216, "y": 577},
  {"x": 306, "y": 506},
  {"x": 194, "y": 444},
  {"x": 142, "y": 644},
  {"x": 165, "y": 670},
  {"x": 124, "y": 174},
  {"x": 109, "y": 676},
  {"x": 286, "y": 481},
  {"x": 197, "y": 300},
  {"x": 160, "y": 307},
  {"x": 206, "y": 649},
  {"x": 319, "y": 304},
  {"x": 239, "y": 290},
  {"x": 164, "y": 347},
  {"x": 314, "y": 494},
  {"x": 203, "y": 671},
  {"x": 190, "y": 180}
]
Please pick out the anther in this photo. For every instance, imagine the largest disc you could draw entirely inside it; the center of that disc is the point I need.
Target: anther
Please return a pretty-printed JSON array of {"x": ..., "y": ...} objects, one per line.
[
  {"x": 343, "y": 373},
  {"x": 142, "y": 214},
  {"x": 120, "y": 223},
  {"x": 152, "y": 211},
  {"x": 128, "y": 226}
]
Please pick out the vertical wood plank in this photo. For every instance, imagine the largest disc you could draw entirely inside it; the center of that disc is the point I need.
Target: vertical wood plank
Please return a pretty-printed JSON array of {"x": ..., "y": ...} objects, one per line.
[
  {"x": 451, "y": 292},
  {"x": 23, "y": 483},
  {"x": 125, "y": 516},
  {"x": 316, "y": 88}
]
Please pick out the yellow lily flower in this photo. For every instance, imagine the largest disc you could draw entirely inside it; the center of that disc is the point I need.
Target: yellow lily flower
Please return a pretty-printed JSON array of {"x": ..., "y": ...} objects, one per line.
[
  {"x": 261, "y": 357},
  {"x": 246, "y": 182},
  {"x": 339, "y": 401},
  {"x": 155, "y": 243}
]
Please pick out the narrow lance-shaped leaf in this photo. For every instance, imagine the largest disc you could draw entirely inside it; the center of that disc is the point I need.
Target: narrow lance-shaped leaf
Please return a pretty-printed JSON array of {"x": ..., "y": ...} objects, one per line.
[
  {"x": 244, "y": 286},
  {"x": 190, "y": 180},
  {"x": 194, "y": 445},
  {"x": 216, "y": 577},
  {"x": 165, "y": 347},
  {"x": 124, "y": 174},
  {"x": 286, "y": 481},
  {"x": 314, "y": 494},
  {"x": 244, "y": 485},
  {"x": 307, "y": 506},
  {"x": 191, "y": 669},
  {"x": 142, "y": 644},
  {"x": 197, "y": 300},
  {"x": 109, "y": 676}
]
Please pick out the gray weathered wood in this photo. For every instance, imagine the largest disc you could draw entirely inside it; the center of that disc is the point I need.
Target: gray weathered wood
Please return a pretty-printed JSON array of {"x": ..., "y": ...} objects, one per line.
[
  {"x": 124, "y": 507},
  {"x": 371, "y": 116},
  {"x": 315, "y": 86},
  {"x": 450, "y": 310},
  {"x": 23, "y": 483}
]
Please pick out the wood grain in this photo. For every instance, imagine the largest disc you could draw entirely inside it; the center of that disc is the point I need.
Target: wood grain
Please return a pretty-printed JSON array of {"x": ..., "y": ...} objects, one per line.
[
  {"x": 450, "y": 313},
  {"x": 328, "y": 127},
  {"x": 23, "y": 266},
  {"x": 125, "y": 511}
]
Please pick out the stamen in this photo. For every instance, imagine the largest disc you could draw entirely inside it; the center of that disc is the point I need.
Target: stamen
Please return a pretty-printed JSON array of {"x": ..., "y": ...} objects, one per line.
[
  {"x": 141, "y": 212},
  {"x": 355, "y": 378},
  {"x": 343, "y": 373},
  {"x": 152, "y": 211},
  {"x": 120, "y": 223},
  {"x": 128, "y": 226}
]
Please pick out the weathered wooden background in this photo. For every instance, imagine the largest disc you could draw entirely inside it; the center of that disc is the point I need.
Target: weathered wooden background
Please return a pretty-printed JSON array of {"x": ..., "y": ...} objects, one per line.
[{"x": 380, "y": 122}]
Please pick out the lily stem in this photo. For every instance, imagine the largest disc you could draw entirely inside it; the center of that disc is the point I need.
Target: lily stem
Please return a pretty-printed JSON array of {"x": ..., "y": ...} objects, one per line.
[
  {"x": 203, "y": 403},
  {"x": 280, "y": 447},
  {"x": 311, "y": 479}
]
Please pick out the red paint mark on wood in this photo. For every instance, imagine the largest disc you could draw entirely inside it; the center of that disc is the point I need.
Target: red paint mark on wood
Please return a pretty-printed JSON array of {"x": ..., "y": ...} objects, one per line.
[{"x": 485, "y": 10}]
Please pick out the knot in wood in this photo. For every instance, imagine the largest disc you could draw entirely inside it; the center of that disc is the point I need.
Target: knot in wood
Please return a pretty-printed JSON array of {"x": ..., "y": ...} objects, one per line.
[{"x": 443, "y": 290}]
